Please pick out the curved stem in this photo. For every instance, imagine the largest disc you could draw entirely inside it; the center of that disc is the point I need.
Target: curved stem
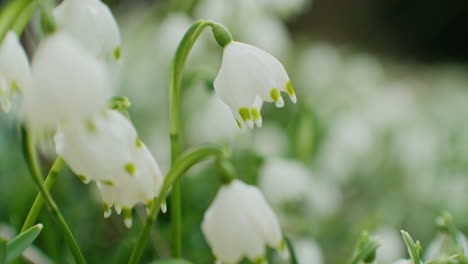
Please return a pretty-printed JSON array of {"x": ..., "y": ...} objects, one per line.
[
  {"x": 30, "y": 152},
  {"x": 177, "y": 68},
  {"x": 178, "y": 169}
]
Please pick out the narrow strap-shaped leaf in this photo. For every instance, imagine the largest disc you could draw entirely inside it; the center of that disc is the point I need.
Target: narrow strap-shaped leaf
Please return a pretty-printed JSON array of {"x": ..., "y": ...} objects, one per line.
[
  {"x": 3, "y": 250},
  {"x": 292, "y": 252},
  {"x": 17, "y": 245}
]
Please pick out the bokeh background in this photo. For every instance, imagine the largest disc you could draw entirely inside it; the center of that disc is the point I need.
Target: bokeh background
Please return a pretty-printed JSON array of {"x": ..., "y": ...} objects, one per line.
[{"x": 378, "y": 140}]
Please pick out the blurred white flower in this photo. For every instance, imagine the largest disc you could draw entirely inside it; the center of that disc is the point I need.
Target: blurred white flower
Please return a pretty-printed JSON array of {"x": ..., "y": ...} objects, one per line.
[
  {"x": 438, "y": 246},
  {"x": 92, "y": 24},
  {"x": 141, "y": 186},
  {"x": 239, "y": 223},
  {"x": 270, "y": 140},
  {"x": 324, "y": 198},
  {"x": 14, "y": 69},
  {"x": 308, "y": 251},
  {"x": 67, "y": 84},
  {"x": 98, "y": 149},
  {"x": 391, "y": 245},
  {"x": 284, "y": 181},
  {"x": 248, "y": 74},
  {"x": 403, "y": 261}
]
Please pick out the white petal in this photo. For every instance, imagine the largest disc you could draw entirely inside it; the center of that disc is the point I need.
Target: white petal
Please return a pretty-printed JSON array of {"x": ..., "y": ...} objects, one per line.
[
  {"x": 67, "y": 84},
  {"x": 91, "y": 23},
  {"x": 14, "y": 64}
]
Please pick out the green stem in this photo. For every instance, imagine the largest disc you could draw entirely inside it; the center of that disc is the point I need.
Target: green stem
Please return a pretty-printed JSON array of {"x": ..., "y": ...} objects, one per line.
[
  {"x": 178, "y": 169},
  {"x": 51, "y": 205},
  {"x": 177, "y": 68},
  {"x": 23, "y": 19},
  {"x": 39, "y": 201},
  {"x": 9, "y": 15}
]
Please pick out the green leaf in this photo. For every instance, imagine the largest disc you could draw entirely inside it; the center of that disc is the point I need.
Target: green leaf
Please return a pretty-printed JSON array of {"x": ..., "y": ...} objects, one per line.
[
  {"x": 17, "y": 245},
  {"x": 171, "y": 261},
  {"x": 3, "y": 252}
]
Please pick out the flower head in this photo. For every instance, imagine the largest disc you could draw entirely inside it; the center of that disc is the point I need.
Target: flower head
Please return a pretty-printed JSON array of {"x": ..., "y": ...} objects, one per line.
[
  {"x": 239, "y": 223},
  {"x": 249, "y": 76},
  {"x": 67, "y": 84},
  {"x": 92, "y": 24},
  {"x": 14, "y": 69}
]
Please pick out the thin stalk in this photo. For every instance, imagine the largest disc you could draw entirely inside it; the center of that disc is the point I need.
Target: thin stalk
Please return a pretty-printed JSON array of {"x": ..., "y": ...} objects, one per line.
[
  {"x": 23, "y": 19},
  {"x": 31, "y": 155},
  {"x": 178, "y": 169},
  {"x": 177, "y": 67},
  {"x": 9, "y": 15},
  {"x": 39, "y": 201}
]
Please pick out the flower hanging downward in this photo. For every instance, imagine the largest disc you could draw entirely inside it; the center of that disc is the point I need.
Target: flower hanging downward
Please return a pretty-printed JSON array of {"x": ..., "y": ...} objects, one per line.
[
  {"x": 239, "y": 223},
  {"x": 14, "y": 69},
  {"x": 247, "y": 75},
  {"x": 92, "y": 24},
  {"x": 67, "y": 84}
]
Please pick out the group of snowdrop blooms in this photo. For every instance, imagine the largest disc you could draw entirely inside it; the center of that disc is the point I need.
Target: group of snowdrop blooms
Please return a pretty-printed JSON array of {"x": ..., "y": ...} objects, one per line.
[{"x": 66, "y": 91}]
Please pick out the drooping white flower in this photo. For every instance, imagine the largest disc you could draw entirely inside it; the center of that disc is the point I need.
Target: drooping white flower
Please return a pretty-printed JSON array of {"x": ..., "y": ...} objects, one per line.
[
  {"x": 442, "y": 246},
  {"x": 100, "y": 148},
  {"x": 308, "y": 251},
  {"x": 391, "y": 245},
  {"x": 239, "y": 223},
  {"x": 92, "y": 24},
  {"x": 67, "y": 84},
  {"x": 248, "y": 74},
  {"x": 14, "y": 69},
  {"x": 141, "y": 186}
]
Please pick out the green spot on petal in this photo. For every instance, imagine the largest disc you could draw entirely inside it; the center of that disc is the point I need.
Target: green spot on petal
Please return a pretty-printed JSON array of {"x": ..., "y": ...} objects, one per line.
[
  {"x": 108, "y": 182},
  {"x": 90, "y": 126},
  {"x": 130, "y": 168},
  {"x": 255, "y": 113},
  {"x": 117, "y": 53},
  {"x": 275, "y": 94},
  {"x": 139, "y": 144},
  {"x": 83, "y": 178},
  {"x": 14, "y": 86},
  {"x": 245, "y": 113},
  {"x": 289, "y": 88}
]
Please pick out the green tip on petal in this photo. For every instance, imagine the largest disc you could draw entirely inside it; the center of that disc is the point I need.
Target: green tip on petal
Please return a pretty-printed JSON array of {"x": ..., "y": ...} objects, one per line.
[
  {"x": 107, "y": 210},
  {"x": 127, "y": 214},
  {"x": 14, "y": 86},
  {"x": 245, "y": 113},
  {"x": 90, "y": 126},
  {"x": 83, "y": 178},
  {"x": 256, "y": 114},
  {"x": 130, "y": 168},
  {"x": 260, "y": 260},
  {"x": 117, "y": 53},
  {"x": 275, "y": 94},
  {"x": 108, "y": 182},
  {"x": 139, "y": 144},
  {"x": 289, "y": 88}
]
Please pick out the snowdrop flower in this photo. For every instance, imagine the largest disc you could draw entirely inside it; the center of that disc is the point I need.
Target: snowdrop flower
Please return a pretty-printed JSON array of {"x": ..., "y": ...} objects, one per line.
[
  {"x": 284, "y": 181},
  {"x": 239, "y": 223},
  {"x": 308, "y": 251},
  {"x": 440, "y": 246},
  {"x": 92, "y": 24},
  {"x": 270, "y": 141},
  {"x": 67, "y": 84},
  {"x": 249, "y": 76},
  {"x": 100, "y": 148},
  {"x": 391, "y": 245},
  {"x": 142, "y": 185},
  {"x": 14, "y": 69}
]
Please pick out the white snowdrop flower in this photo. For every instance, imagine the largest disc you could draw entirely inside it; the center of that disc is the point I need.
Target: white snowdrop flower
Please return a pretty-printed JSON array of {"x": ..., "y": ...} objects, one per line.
[
  {"x": 14, "y": 69},
  {"x": 284, "y": 181},
  {"x": 239, "y": 223},
  {"x": 98, "y": 149},
  {"x": 141, "y": 186},
  {"x": 391, "y": 245},
  {"x": 438, "y": 247},
  {"x": 92, "y": 24},
  {"x": 247, "y": 72},
  {"x": 67, "y": 84},
  {"x": 270, "y": 141},
  {"x": 308, "y": 251},
  {"x": 324, "y": 198}
]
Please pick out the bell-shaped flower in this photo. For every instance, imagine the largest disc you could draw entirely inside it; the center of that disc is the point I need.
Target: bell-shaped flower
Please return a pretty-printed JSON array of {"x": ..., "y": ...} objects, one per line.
[
  {"x": 14, "y": 69},
  {"x": 92, "y": 24},
  {"x": 142, "y": 185},
  {"x": 67, "y": 84},
  {"x": 239, "y": 223},
  {"x": 100, "y": 148},
  {"x": 248, "y": 76}
]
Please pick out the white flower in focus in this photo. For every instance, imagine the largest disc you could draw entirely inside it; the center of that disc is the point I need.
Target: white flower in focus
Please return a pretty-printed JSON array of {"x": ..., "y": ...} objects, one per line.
[
  {"x": 143, "y": 185},
  {"x": 239, "y": 223},
  {"x": 14, "y": 69},
  {"x": 92, "y": 24},
  {"x": 98, "y": 149},
  {"x": 248, "y": 76},
  {"x": 67, "y": 84},
  {"x": 284, "y": 181},
  {"x": 391, "y": 245},
  {"x": 308, "y": 251}
]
